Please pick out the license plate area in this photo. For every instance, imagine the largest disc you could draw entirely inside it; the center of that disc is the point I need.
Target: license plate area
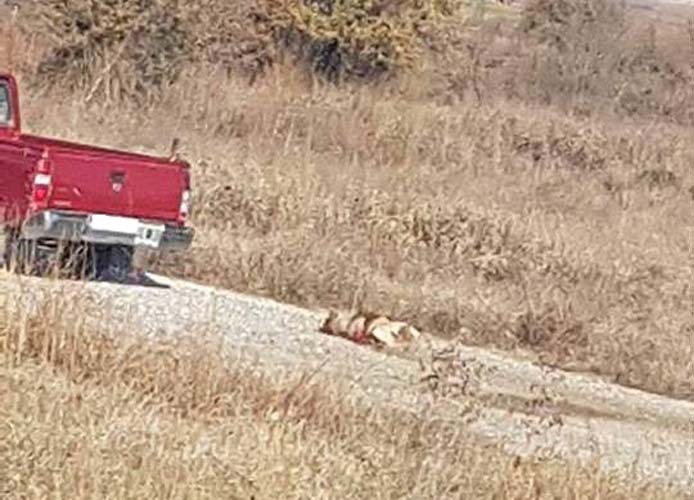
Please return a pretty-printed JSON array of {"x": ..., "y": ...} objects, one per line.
[
  {"x": 142, "y": 233},
  {"x": 113, "y": 224}
]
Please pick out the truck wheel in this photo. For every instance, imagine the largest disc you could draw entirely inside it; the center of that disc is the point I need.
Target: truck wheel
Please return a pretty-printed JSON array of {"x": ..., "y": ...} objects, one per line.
[
  {"x": 17, "y": 254},
  {"x": 78, "y": 261},
  {"x": 114, "y": 262},
  {"x": 5, "y": 238},
  {"x": 27, "y": 257}
]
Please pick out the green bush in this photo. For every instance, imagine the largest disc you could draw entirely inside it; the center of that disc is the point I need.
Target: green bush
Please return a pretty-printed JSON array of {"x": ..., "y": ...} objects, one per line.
[
  {"x": 362, "y": 39},
  {"x": 129, "y": 48},
  {"x": 348, "y": 37}
]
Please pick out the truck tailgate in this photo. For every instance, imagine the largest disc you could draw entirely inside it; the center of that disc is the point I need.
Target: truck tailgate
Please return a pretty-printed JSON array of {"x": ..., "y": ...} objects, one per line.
[{"x": 96, "y": 180}]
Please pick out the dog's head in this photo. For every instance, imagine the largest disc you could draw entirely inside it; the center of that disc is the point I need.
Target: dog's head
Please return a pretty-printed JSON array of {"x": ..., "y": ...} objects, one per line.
[{"x": 329, "y": 325}]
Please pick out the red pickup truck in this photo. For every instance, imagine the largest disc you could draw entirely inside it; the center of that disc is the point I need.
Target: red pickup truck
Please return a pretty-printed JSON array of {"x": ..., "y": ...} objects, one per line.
[{"x": 84, "y": 206}]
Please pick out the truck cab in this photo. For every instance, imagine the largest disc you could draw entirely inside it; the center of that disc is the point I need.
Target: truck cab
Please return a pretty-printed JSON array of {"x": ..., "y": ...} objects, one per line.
[{"x": 63, "y": 200}]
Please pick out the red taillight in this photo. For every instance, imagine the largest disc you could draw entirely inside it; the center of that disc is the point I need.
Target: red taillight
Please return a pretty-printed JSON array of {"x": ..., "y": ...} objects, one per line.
[
  {"x": 41, "y": 193},
  {"x": 184, "y": 210},
  {"x": 42, "y": 181},
  {"x": 42, "y": 187},
  {"x": 186, "y": 198}
]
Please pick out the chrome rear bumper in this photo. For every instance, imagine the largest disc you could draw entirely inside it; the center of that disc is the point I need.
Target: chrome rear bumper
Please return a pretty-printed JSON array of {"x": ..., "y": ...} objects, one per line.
[{"x": 66, "y": 226}]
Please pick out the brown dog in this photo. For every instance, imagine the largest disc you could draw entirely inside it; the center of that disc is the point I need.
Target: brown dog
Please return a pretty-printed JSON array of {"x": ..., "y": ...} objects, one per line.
[{"x": 369, "y": 328}]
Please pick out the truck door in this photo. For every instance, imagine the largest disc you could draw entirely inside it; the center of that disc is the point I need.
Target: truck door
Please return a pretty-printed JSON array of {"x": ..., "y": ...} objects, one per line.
[{"x": 13, "y": 161}]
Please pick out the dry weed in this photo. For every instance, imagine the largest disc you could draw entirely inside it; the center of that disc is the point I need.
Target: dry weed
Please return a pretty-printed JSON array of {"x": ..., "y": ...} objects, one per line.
[
  {"x": 86, "y": 414},
  {"x": 509, "y": 221}
]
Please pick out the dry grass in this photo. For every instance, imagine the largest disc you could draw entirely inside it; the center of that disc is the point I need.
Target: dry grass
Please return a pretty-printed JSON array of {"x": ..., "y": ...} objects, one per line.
[
  {"x": 490, "y": 215},
  {"x": 446, "y": 197},
  {"x": 88, "y": 415},
  {"x": 509, "y": 220}
]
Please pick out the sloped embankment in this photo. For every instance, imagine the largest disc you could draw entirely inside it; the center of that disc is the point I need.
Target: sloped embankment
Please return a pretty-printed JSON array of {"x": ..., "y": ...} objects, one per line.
[{"x": 532, "y": 411}]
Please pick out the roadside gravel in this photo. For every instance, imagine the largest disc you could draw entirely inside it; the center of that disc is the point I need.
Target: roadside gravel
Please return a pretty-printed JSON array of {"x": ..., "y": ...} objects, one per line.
[{"x": 532, "y": 411}]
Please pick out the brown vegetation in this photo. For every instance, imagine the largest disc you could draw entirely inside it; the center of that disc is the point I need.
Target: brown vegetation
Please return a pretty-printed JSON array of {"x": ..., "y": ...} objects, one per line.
[
  {"x": 131, "y": 48},
  {"x": 521, "y": 186},
  {"x": 86, "y": 414}
]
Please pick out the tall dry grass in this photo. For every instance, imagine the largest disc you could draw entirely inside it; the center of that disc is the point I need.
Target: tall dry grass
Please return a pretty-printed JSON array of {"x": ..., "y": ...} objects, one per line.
[
  {"x": 519, "y": 228},
  {"x": 89, "y": 415},
  {"x": 448, "y": 198}
]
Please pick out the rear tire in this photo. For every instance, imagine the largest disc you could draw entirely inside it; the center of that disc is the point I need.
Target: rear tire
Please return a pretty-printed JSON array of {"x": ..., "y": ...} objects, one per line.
[
  {"x": 114, "y": 262},
  {"x": 43, "y": 258},
  {"x": 25, "y": 256},
  {"x": 77, "y": 261},
  {"x": 48, "y": 258}
]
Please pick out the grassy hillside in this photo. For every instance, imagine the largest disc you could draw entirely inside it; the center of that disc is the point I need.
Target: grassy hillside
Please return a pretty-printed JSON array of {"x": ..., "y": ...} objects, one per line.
[
  {"x": 523, "y": 182},
  {"x": 517, "y": 179},
  {"x": 85, "y": 415}
]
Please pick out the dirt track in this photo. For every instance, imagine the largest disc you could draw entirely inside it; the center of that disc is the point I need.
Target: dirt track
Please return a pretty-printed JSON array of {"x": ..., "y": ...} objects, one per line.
[{"x": 529, "y": 409}]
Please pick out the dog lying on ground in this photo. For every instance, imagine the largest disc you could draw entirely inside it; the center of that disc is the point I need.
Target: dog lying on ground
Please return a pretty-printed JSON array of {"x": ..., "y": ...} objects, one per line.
[{"x": 369, "y": 328}]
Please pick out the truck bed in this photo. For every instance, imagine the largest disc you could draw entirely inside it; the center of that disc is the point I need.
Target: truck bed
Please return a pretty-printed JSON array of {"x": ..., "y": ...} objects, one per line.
[
  {"x": 99, "y": 180},
  {"x": 57, "y": 144}
]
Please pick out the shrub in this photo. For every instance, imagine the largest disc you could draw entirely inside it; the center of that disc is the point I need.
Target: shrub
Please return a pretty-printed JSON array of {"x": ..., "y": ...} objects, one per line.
[
  {"x": 116, "y": 47},
  {"x": 131, "y": 47},
  {"x": 360, "y": 38}
]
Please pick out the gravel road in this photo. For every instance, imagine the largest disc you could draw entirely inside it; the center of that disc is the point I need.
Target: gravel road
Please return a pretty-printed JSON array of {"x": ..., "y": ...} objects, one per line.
[{"x": 580, "y": 418}]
